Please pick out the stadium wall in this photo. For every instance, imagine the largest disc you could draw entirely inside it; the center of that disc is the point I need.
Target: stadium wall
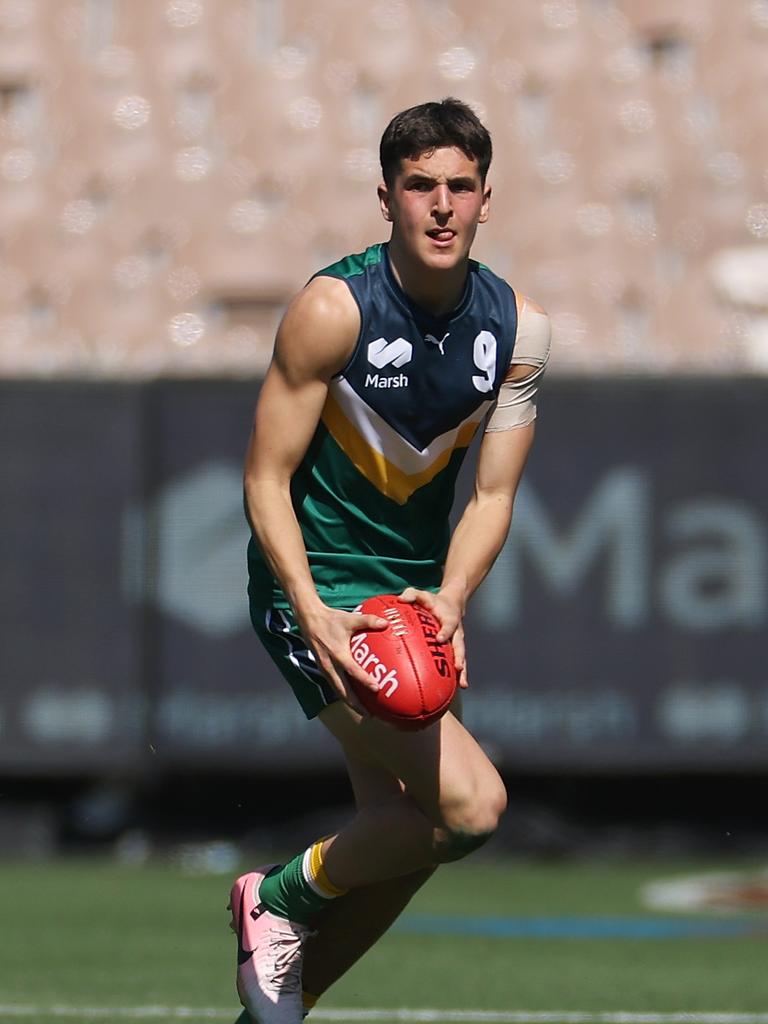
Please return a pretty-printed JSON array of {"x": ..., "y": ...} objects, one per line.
[{"x": 621, "y": 631}]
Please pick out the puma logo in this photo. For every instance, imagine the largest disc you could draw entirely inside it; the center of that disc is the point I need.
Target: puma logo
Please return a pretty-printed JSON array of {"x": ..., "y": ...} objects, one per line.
[{"x": 437, "y": 341}]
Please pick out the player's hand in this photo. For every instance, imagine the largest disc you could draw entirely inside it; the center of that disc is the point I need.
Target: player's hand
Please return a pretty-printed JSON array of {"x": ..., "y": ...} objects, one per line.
[
  {"x": 449, "y": 612},
  {"x": 328, "y": 632}
]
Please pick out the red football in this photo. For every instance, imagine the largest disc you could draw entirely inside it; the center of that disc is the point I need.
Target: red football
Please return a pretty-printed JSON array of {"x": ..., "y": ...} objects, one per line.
[{"x": 415, "y": 674}]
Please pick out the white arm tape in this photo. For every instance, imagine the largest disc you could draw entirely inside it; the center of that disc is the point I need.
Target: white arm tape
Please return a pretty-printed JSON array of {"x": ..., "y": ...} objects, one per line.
[{"x": 516, "y": 404}]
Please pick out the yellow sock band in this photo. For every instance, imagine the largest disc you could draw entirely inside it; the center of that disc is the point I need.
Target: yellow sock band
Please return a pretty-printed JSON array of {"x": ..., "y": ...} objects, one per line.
[{"x": 314, "y": 872}]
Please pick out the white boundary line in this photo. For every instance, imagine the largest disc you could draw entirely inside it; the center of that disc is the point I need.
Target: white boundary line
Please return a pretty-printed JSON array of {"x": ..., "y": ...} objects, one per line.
[{"x": 400, "y": 1016}]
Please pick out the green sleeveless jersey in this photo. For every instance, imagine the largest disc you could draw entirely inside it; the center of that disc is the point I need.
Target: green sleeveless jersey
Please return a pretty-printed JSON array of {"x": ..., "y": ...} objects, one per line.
[{"x": 374, "y": 490}]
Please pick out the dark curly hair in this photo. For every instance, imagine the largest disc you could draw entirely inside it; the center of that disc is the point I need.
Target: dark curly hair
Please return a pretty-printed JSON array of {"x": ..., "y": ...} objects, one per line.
[{"x": 427, "y": 127}]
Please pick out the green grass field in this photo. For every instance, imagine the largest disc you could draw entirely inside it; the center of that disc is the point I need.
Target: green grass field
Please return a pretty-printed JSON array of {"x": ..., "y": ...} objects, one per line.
[{"x": 82, "y": 936}]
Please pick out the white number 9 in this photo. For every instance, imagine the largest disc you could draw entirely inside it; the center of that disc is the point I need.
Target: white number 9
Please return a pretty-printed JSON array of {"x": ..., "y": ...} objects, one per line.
[{"x": 485, "y": 360}]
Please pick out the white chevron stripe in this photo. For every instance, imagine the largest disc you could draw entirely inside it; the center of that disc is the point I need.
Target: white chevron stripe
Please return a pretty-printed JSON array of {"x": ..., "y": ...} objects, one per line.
[{"x": 385, "y": 439}]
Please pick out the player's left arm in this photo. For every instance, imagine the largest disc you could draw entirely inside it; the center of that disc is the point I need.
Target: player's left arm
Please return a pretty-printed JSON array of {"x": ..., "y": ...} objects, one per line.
[{"x": 483, "y": 527}]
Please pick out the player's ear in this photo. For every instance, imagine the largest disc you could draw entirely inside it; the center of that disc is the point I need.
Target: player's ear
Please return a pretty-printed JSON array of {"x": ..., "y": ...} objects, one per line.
[
  {"x": 383, "y": 193},
  {"x": 485, "y": 209}
]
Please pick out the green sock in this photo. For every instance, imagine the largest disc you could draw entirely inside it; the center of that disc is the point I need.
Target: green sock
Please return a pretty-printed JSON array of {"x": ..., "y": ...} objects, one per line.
[{"x": 301, "y": 888}]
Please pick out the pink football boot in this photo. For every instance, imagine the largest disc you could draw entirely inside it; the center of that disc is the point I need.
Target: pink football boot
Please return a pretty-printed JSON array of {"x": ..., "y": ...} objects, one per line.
[{"x": 269, "y": 954}]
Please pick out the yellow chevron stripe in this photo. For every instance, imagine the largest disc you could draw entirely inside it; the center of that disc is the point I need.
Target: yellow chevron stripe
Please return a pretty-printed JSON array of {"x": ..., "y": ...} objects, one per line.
[{"x": 375, "y": 467}]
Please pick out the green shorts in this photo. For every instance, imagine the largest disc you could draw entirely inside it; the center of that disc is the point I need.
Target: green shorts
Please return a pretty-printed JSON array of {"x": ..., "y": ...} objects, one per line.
[{"x": 278, "y": 631}]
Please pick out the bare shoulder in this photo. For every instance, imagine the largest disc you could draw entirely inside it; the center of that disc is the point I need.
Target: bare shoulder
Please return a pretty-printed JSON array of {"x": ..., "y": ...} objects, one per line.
[
  {"x": 318, "y": 331},
  {"x": 327, "y": 299}
]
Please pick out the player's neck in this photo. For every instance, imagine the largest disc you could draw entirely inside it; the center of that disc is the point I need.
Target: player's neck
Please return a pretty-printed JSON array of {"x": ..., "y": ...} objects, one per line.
[{"x": 437, "y": 291}]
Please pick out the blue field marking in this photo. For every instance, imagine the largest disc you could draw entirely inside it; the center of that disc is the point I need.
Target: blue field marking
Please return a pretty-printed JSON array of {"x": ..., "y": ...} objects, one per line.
[{"x": 578, "y": 927}]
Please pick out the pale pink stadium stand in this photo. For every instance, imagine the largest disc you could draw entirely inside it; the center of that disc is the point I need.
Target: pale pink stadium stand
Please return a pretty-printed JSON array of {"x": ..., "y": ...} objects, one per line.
[{"x": 171, "y": 170}]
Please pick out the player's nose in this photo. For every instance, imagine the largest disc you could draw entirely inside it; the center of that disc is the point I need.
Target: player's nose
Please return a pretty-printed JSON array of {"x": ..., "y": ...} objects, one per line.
[{"x": 442, "y": 202}]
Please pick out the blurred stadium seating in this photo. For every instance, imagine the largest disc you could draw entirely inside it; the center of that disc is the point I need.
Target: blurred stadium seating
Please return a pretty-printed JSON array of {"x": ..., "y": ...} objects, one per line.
[{"x": 171, "y": 170}]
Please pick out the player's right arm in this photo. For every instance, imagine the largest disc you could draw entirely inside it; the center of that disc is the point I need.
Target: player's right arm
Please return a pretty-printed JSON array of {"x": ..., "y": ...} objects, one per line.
[{"x": 314, "y": 341}]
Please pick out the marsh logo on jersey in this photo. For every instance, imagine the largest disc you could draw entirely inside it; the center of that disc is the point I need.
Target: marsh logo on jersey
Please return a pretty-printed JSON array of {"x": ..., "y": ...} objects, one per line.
[{"x": 388, "y": 353}]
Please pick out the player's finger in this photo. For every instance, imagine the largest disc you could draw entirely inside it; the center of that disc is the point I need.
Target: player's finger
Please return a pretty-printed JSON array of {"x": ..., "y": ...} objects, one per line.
[
  {"x": 430, "y": 601},
  {"x": 460, "y": 658},
  {"x": 449, "y": 624},
  {"x": 362, "y": 622},
  {"x": 341, "y": 685},
  {"x": 329, "y": 670},
  {"x": 447, "y": 631},
  {"x": 413, "y": 596},
  {"x": 461, "y": 675},
  {"x": 349, "y": 666}
]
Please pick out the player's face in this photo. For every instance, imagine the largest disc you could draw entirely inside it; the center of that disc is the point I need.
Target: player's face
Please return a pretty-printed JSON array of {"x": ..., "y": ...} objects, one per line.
[{"x": 435, "y": 204}]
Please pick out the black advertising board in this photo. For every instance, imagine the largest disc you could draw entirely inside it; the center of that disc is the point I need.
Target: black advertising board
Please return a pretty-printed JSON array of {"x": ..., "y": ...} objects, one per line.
[
  {"x": 624, "y": 625},
  {"x": 216, "y": 699},
  {"x": 70, "y": 645},
  {"x": 622, "y": 629}
]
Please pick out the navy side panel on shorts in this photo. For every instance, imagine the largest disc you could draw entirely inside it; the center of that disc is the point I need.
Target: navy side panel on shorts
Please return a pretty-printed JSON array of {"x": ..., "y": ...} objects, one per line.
[{"x": 278, "y": 631}]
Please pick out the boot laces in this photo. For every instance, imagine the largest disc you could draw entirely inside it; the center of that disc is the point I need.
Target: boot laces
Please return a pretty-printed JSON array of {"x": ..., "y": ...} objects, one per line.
[{"x": 287, "y": 945}]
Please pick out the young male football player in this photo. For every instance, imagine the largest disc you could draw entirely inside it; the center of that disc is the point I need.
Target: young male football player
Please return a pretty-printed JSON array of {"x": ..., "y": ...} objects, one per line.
[{"x": 385, "y": 365}]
